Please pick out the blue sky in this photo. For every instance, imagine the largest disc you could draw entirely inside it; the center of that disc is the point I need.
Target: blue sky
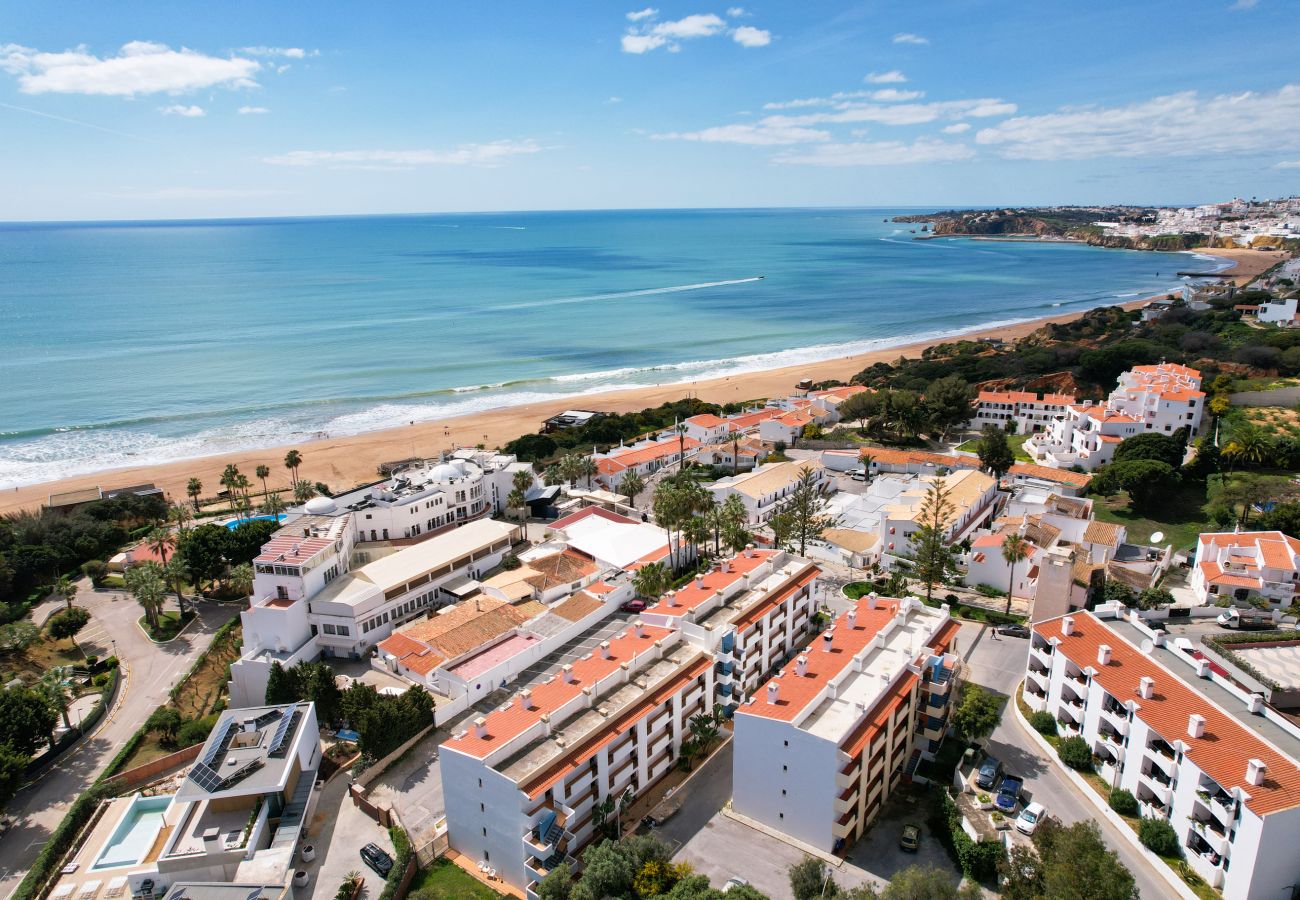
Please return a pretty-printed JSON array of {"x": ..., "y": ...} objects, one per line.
[{"x": 152, "y": 110}]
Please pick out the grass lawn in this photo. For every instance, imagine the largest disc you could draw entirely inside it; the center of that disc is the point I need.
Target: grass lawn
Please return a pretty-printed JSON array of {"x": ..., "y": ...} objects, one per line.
[
  {"x": 1181, "y": 516},
  {"x": 444, "y": 880},
  {"x": 1015, "y": 441},
  {"x": 169, "y": 625}
]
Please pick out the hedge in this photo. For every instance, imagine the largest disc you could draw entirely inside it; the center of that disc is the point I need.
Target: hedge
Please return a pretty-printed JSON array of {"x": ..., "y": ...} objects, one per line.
[
  {"x": 978, "y": 859},
  {"x": 401, "y": 859},
  {"x": 49, "y": 860}
]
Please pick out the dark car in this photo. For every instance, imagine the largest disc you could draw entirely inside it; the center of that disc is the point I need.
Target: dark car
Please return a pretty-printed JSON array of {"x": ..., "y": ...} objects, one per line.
[
  {"x": 377, "y": 859},
  {"x": 633, "y": 606},
  {"x": 1009, "y": 794},
  {"x": 988, "y": 773},
  {"x": 910, "y": 839},
  {"x": 1018, "y": 631}
]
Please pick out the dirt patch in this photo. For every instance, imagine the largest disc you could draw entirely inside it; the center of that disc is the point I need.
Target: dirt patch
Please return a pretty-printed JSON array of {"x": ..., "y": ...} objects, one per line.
[
  {"x": 1273, "y": 420},
  {"x": 39, "y": 658},
  {"x": 199, "y": 694}
]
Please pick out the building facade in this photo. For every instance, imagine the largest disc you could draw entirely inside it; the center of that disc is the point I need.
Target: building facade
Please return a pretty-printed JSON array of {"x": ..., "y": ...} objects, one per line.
[
  {"x": 1237, "y": 565},
  {"x": 1028, "y": 411}
]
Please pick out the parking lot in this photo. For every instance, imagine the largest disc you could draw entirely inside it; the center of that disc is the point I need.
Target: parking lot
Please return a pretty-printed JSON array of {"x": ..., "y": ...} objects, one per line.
[{"x": 338, "y": 830}]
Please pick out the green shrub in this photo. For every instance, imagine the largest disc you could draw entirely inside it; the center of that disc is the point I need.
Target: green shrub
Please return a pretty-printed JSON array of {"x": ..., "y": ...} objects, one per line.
[
  {"x": 1123, "y": 802},
  {"x": 1074, "y": 753},
  {"x": 1159, "y": 837},
  {"x": 195, "y": 731},
  {"x": 1043, "y": 722},
  {"x": 401, "y": 856}
]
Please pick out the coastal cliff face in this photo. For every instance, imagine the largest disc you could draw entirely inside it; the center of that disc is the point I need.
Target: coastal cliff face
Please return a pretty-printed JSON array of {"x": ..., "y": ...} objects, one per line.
[{"x": 1057, "y": 223}]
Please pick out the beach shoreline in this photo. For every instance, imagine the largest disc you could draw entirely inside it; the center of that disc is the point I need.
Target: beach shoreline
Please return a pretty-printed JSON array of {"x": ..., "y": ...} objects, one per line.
[{"x": 343, "y": 461}]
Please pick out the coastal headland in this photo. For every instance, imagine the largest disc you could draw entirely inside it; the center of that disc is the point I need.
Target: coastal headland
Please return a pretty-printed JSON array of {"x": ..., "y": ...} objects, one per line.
[{"x": 348, "y": 460}]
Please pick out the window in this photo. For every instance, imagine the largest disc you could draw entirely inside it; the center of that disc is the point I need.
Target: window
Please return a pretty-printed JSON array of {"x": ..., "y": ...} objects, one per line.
[
  {"x": 329, "y": 629},
  {"x": 482, "y": 808},
  {"x": 480, "y": 782},
  {"x": 344, "y": 630},
  {"x": 484, "y": 831}
]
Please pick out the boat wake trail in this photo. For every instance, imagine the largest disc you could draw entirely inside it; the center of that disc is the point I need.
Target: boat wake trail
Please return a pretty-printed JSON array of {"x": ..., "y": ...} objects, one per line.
[{"x": 623, "y": 295}]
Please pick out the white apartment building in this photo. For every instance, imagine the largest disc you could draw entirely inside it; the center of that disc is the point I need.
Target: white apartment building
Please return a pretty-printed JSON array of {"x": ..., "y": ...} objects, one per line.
[
  {"x": 1030, "y": 412},
  {"x": 765, "y": 488},
  {"x": 1215, "y": 762},
  {"x": 236, "y": 817},
  {"x": 1238, "y": 564},
  {"x": 749, "y": 612},
  {"x": 307, "y": 602},
  {"x": 522, "y": 783},
  {"x": 820, "y": 748},
  {"x": 644, "y": 457},
  {"x": 1161, "y": 398},
  {"x": 1275, "y": 312},
  {"x": 427, "y": 498}
]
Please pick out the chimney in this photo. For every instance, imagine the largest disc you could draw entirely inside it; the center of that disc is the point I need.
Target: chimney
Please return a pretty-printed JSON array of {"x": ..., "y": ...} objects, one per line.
[
  {"x": 773, "y": 692},
  {"x": 567, "y": 672},
  {"x": 749, "y": 551},
  {"x": 1146, "y": 687},
  {"x": 726, "y": 565},
  {"x": 872, "y": 599},
  {"x": 525, "y": 699},
  {"x": 670, "y": 598},
  {"x": 1067, "y": 626},
  {"x": 1255, "y": 703},
  {"x": 1255, "y": 771},
  {"x": 1196, "y": 725},
  {"x": 699, "y": 581},
  {"x": 801, "y": 665},
  {"x": 1202, "y": 668},
  {"x": 604, "y": 649},
  {"x": 640, "y": 628},
  {"x": 851, "y": 618},
  {"x": 1103, "y": 655},
  {"x": 828, "y": 640},
  {"x": 480, "y": 727}
]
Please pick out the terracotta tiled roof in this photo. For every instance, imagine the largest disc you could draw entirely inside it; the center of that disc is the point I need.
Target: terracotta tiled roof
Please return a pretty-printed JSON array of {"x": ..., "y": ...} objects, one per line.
[
  {"x": 702, "y": 587},
  {"x": 1024, "y": 397},
  {"x": 590, "y": 511},
  {"x": 1047, "y": 473},
  {"x": 1214, "y": 574},
  {"x": 563, "y": 567},
  {"x": 577, "y": 607},
  {"x": 417, "y": 657},
  {"x": 775, "y": 598},
  {"x": 1225, "y": 745},
  {"x": 1104, "y": 533},
  {"x": 706, "y": 420},
  {"x": 890, "y": 456},
  {"x": 505, "y": 724}
]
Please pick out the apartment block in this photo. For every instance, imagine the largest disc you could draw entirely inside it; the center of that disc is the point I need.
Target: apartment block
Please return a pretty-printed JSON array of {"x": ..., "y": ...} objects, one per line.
[
  {"x": 1235, "y": 565},
  {"x": 1028, "y": 411},
  {"x": 1216, "y": 763},
  {"x": 822, "y": 745}
]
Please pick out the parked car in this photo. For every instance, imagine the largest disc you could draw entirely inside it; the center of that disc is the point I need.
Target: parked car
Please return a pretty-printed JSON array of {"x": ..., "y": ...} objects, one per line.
[
  {"x": 988, "y": 774},
  {"x": 858, "y": 474},
  {"x": 910, "y": 839},
  {"x": 1245, "y": 618},
  {"x": 1030, "y": 817},
  {"x": 633, "y": 606},
  {"x": 734, "y": 883},
  {"x": 1017, "y": 631},
  {"x": 1009, "y": 794},
  {"x": 377, "y": 859}
]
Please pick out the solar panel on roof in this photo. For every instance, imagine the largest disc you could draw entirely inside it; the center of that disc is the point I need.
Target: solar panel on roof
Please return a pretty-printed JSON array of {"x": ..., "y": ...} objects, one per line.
[
  {"x": 223, "y": 744},
  {"x": 202, "y": 775},
  {"x": 266, "y": 718},
  {"x": 280, "y": 743}
]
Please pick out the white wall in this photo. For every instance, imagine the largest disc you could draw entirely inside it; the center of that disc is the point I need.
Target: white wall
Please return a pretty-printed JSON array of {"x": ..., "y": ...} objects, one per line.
[
  {"x": 785, "y": 778},
  {"x": 494, "y": 807}
]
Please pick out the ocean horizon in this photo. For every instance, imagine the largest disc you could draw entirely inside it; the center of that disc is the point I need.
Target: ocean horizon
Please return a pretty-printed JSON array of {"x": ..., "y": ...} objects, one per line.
[{"x": 133, "y": 343}]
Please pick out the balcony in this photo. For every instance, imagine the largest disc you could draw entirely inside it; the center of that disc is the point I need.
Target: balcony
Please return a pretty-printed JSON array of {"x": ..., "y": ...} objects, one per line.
[
  {"x": 1072, "y": 710},
  {"x": 1077, "y": 678},
  {"x": 848, "y": 801},
  {"x": 1036, "y": 702},
  {"x": 1212, "y": 832},
  {"x": 1157, "y": 785},
  {"x": 1163, "y": 756},
  {"x": 1038, "y": 675},
  {"x": 849, "y": 778},
  {"x": 845, "y": 823},
  {"x": 1116, "y": 719}
]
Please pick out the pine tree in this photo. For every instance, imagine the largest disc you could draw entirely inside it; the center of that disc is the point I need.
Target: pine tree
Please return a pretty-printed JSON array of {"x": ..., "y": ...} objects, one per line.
[{"x": 934, "y": 558}]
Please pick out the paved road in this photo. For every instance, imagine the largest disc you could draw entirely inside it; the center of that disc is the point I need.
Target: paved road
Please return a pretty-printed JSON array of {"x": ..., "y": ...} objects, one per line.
[
  {"x": 338, "y": 830},
  {"x": 999, "y": 665},
  {"x": 149, "y": 671}
]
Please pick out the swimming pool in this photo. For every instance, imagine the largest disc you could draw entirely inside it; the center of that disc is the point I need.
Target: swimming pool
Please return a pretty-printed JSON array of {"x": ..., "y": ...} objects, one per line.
[
  {"x": 235, "y": 523},
  {"x": 134, "y": 834}
]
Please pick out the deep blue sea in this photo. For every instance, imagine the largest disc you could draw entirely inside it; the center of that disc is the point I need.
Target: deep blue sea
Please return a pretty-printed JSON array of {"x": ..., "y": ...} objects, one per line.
[{"x": 132, "y": 343}]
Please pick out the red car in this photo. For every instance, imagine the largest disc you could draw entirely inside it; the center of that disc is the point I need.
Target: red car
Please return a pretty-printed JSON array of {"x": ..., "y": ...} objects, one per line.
[{"x": 633, "y": 606}]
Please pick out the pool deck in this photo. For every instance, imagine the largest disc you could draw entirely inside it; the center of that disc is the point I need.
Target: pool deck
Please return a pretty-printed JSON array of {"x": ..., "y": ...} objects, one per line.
[{"x": 90, "y": 849}]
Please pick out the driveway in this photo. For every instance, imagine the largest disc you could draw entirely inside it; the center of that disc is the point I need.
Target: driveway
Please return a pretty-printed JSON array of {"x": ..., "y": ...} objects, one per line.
[
  {"x": 413, "y": 786},
  {"x": 999, "y": 665},
  {"x": 338, "y": 830},
  {"x": 149, "y": 671}
]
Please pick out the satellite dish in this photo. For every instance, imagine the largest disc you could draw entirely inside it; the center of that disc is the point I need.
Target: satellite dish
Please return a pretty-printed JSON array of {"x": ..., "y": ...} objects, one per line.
[{"x": 1157, "y": 537}]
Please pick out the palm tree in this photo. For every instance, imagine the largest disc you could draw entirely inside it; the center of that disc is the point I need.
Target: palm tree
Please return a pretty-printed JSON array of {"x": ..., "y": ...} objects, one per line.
[
  {"x": 161, "y": 542},
  {"x": 680, "y": 428},
  {"x": 229, "y": 478},
  {"x": 630, "y": 485},
  {"x": 66, "y": 588},
  {"x": 1015, "y": 549},
  {"x": 696, "y": 531},
  {"x": 735, "y": 452},
  {"x": 303, "y": 491},
  {"x": 292, "y": 460},
  {"x": 263, "y": 472},
  {"x": 551, "y": 475},
  {"x": 650, "y": 580},
  {"x": 273, "y": 505},
  {"x": 716, "y": 519},
  {"x": 516, "y": 500},
  {"x": 175, "y": 572},
  {"x": 145, "y": 582},
  {"x": 241, "y": 579},
  {"x": 588, "y": 468},
  {"x": 571, "y": 468},
  {"x": 180, "y": 515},
  {"x": 194, "y": 488},
  {"x": 522, "y": 481},
  {"x": 56, "y": 687}
]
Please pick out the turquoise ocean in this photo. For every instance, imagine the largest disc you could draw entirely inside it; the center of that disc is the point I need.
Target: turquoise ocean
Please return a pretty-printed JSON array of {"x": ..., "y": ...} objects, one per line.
[{"x": 130, "y": 343}]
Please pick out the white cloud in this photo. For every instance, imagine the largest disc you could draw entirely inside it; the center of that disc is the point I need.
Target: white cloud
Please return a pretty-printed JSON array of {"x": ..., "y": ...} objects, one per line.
[
  {"x": 1182, "y": 124},
  {"x": 748, "y": 36},
  {"x": 893, "y": 76},
  {"x": 141, "y": 67},
  {"x": 1244, "y": 4},
  {"x": 276, "y": 52},
  {"x": 188, "y": 112},
  {"x": 759, "y": 135},
  {"x": 959, "y": 128},
  {"x": 610, "y": 101},
  {"x": 736, "y": 12},
  {"x": 1288, "y": 164},
  {"x": 695, "y": 26},
  {"x": 906, "y": 37},
  {"x": 648, "y": 13},
  {"x": 893, "y": 95},
  {"x": 848, "y": 111},
  {"x": 877, "y": 153},
  {"x": 252, "y": 110},
  {"x": 492, "y": 154}
]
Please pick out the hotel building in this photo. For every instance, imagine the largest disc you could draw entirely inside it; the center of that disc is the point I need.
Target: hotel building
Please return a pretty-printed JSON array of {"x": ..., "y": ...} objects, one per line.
[
  {"x": 764, "y": 489},
  {"x": 1029, "y": 411},
  {"x": 1216, "y": 763},
  {"x": 821, "y": 746},
  {"x": 1235, "y": 565}
]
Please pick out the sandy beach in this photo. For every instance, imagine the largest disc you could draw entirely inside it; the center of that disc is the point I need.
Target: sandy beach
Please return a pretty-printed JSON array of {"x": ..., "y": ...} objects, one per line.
[{"x": 346, "y": 461}]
